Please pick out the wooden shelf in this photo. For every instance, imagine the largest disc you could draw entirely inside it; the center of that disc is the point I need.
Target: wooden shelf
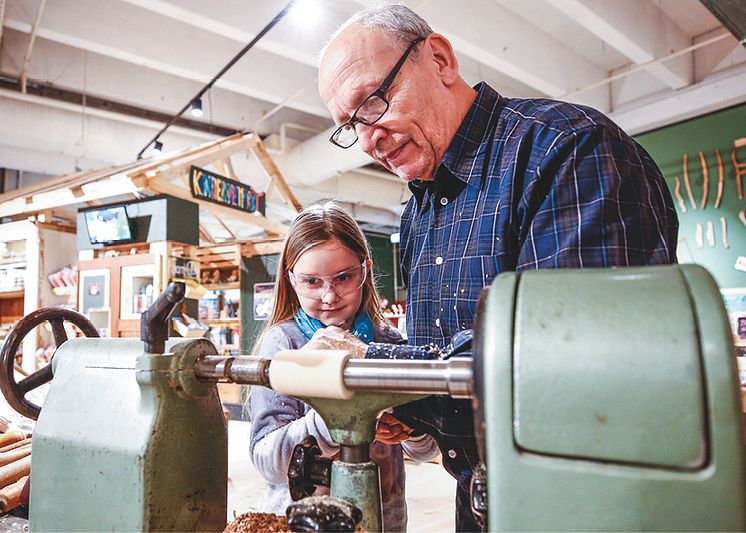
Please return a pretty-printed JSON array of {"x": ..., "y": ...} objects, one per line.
[
  {"x": 221, "y": 321},
  {"x": 223, "y": 286},
  {"x": 16, "y": 262},
  {"x": 11, "y": 294}
]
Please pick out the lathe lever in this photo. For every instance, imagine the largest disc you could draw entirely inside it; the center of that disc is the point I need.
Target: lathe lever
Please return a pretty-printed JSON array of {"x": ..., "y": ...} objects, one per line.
[{"x": 154, "y": 320}]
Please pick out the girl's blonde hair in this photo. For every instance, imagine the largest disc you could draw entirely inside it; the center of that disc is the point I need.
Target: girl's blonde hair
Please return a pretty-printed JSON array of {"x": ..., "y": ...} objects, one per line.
[{"x": 316, "y": 224}]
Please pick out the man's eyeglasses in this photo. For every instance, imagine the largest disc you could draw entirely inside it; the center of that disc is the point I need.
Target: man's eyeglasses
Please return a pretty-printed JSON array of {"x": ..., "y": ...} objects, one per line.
[
  {"x": 372, "y": 108},
  {"x": 343, "y": 283}
]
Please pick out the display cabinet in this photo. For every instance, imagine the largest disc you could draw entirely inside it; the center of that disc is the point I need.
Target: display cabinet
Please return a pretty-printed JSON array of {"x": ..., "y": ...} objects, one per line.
[
  {"x": 29, "y": 252},
  {"x": 130, "y": 278}
]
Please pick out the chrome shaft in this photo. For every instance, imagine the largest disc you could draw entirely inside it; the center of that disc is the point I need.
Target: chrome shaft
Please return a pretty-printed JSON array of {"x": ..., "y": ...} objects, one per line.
[
  {"x": 246, "y": 370},
  {"x": 452, "y": 377}
]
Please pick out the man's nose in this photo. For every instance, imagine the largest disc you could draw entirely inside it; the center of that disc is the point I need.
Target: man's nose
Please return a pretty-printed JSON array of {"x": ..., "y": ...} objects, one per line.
[{"x": 369, "y": 136}]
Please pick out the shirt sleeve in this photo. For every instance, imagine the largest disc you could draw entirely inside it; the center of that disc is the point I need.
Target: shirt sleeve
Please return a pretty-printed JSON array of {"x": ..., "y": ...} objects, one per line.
[
  {"x": 595, "y": 199},
  {"x": 279, "y": 423},
  {"x": 421, "y": 448}
]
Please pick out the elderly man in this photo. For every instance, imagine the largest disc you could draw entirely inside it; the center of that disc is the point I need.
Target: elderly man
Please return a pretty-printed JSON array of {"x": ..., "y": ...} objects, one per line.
[{"x": 498, "y": 184}]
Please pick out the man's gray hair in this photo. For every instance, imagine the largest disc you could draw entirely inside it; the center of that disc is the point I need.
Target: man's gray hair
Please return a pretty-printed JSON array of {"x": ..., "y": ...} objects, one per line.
[{"x": 403, "y": 24}]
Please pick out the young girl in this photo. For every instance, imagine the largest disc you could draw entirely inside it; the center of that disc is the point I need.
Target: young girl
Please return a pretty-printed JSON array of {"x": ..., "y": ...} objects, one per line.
[{"x": 323, "y": 279}]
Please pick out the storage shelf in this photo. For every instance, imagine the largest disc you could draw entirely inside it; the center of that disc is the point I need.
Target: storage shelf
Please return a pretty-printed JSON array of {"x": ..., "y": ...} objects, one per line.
[
  {"x": 13, "y": 263},
  {"x": 11, "y": 294},
  {"x": 222, "y": 286},
  {"x": 221, "y": 321}
]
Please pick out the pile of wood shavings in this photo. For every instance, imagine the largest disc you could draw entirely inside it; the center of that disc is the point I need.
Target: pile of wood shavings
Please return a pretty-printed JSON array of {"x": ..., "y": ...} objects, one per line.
[{"x": 259, "y": 522}]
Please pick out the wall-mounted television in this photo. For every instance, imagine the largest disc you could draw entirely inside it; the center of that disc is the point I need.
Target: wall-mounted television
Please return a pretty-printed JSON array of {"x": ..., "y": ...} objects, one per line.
[{"x": 108, "y": 225}]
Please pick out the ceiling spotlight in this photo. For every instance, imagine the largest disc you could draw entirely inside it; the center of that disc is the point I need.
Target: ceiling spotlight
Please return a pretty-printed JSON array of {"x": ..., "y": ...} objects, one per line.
[
  {"x": 158, "y": 148},
  {"x": 306, "y": 13},
  {"x": 197, "y": 107}
]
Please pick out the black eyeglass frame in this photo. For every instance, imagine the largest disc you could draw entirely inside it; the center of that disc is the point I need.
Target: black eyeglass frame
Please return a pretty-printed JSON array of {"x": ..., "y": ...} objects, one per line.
[{"x": 378, "y": 93}]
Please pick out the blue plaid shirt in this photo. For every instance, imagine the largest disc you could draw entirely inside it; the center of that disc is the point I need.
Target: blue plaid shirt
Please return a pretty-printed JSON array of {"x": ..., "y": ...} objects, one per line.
[{"x": 524, "y": 184}]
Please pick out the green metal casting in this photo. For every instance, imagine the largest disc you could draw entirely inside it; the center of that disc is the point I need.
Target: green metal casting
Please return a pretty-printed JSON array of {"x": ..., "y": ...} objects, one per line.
[
  {"x": 353, "y": 422},
  {"x": 129, "y": 442},
  {"x": 358, "y": 483},
  {"x": 611, "y": 402}
]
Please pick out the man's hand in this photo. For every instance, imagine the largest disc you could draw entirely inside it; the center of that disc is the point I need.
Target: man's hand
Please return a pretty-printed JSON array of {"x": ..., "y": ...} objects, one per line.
[
  {"x": 390, "y": 430},
  {"x": 334, "y": 338}
]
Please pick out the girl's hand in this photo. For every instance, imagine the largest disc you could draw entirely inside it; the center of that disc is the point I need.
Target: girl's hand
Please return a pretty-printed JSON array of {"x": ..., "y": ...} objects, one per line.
[
  {"x": 390, "y": 430},
  {"x": 334, "y": 338}
]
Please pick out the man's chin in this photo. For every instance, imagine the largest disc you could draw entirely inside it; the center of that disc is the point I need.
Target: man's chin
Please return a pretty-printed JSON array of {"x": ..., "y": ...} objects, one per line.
[{"x": 409, "y": 173}]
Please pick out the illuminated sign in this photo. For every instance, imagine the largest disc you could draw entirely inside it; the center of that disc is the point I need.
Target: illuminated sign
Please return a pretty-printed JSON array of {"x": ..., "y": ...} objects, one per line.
[{"x": 211, "y": 187}]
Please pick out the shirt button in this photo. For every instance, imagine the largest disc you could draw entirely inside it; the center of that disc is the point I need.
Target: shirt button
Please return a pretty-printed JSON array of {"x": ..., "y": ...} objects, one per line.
[
  {"x": 444, "y": 201},
  {"x": 437, "y": 322},
  {"x": 452, "y": 454},
  {"x": 438, "y": 260}
]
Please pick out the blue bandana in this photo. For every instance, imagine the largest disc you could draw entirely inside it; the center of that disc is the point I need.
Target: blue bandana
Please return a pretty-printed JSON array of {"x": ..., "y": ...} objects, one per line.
[{"x": 362, "y": 327}]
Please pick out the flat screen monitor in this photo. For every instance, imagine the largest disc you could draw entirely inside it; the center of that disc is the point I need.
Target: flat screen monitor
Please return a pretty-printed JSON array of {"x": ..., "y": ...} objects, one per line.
[{"x": 108, "y": 225}]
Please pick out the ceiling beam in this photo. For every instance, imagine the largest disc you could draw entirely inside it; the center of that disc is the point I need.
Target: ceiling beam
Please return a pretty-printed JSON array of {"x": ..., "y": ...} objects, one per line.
[
  {"x": 30, "y": 49},
  {"x": 79, "y": 24},
  {"x": 516, "y": 48},
  {"x": 717, "y": 92},
  {"x": 638, "y": 30},
  {"x": 2, "y": 16},
  {"x": 234, "y": 32}
]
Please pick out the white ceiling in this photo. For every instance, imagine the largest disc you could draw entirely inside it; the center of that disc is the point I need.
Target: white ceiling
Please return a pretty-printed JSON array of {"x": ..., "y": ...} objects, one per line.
[{"x": 156, "y": 54}]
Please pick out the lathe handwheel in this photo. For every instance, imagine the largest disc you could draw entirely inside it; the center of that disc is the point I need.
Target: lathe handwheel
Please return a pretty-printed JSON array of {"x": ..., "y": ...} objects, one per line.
[{"x": 15, "y": 391}]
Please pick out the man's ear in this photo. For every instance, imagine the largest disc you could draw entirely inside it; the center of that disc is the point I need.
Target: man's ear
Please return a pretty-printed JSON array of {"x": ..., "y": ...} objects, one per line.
[{"x": 442, "y": 55}]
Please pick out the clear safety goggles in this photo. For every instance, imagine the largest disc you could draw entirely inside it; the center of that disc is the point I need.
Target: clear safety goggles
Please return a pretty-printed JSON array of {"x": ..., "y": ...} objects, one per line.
[{"x": 342, "y": 283}]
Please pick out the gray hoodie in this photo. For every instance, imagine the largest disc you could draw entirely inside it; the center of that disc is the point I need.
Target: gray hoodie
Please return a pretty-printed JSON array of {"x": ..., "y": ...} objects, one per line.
[{"x": 278, "y": 423}]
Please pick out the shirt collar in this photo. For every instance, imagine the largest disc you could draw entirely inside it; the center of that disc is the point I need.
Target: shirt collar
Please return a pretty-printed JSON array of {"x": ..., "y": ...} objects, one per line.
[{"x": 461, "y": 164}]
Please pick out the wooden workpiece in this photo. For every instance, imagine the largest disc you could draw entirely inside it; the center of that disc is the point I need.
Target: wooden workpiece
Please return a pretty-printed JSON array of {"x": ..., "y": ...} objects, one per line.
[
  {"x": 710, "y": 234},
  {"x": 721, "y": 179},
  {"x": 10, "y": 496},
  {"x": 677, "y": 194},
  {"x": 687, "y": 184},
  {"x": 724, "y": 226},
  {"x": 705, "y": 178},
  {"x": 740, "y": 169}
]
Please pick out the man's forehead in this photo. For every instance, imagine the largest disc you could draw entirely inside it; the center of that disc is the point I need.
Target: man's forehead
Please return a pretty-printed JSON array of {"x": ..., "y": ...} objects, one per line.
[{"x": 352, "y": 53}]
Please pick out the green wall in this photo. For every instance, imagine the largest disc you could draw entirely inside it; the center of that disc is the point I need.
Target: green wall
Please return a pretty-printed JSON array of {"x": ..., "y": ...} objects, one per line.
[
  {"x": 383, "y": 263},
  {"x": 258, "y": 269},
  {"x": 708, "y": 133}
]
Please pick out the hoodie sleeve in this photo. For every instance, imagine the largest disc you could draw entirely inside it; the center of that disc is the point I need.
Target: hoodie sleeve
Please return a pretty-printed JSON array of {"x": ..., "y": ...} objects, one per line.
[{"x": 278, "y": 422}]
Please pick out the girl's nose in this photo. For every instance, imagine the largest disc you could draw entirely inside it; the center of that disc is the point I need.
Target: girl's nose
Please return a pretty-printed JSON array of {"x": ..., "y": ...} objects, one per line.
[{"x": 330, "y": 295}]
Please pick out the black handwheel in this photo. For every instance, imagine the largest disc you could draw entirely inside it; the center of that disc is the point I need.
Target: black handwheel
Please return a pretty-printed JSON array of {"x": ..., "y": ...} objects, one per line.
[{"x": 15, "y": 391}]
